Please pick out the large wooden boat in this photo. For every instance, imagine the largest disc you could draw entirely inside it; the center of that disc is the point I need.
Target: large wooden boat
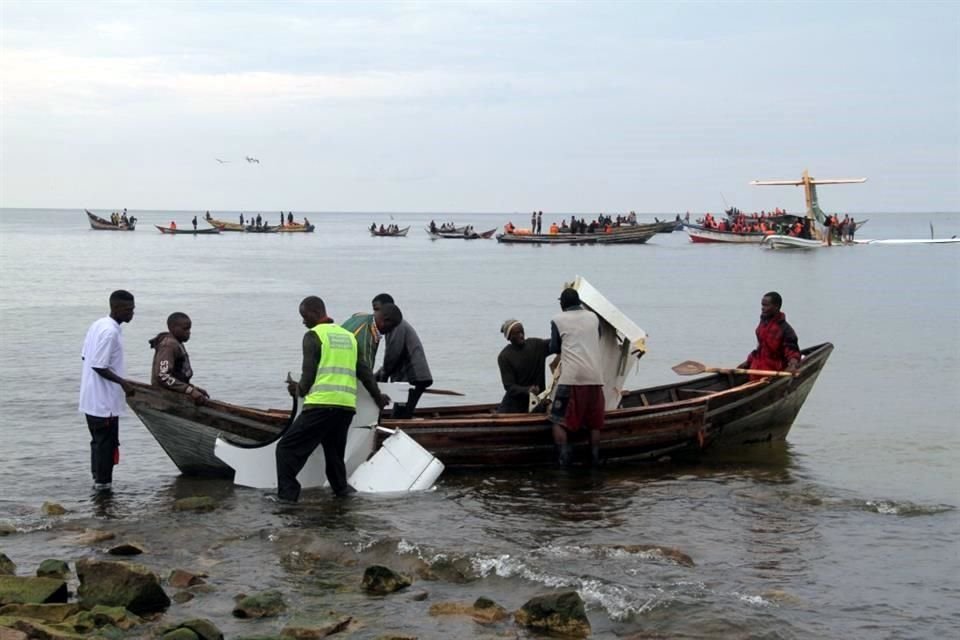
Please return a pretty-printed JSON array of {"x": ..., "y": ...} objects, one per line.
[
  {"x": 100, "y": 224},
  {"x": 637, "y": 234},
  {"x": 189, "y": 231},
  {"x": 398, "y": 233},
  {"x": 686, "y": 418},
  {"x": 263, "y": 228}
]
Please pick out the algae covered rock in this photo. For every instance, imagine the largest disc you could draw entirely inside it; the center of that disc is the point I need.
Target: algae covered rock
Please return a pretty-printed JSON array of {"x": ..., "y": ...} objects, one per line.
[
  {"x": 561, "y": 613},
  {"x": 125, "y": 549},
  {"x": 53, "y": 612},
  {"x": 260, "y": 605},
  {"x": 195, "y": 503},
  {"x": 313, "y": 628},
  {"x": 383, "y": 580},
  {"x": 53, "y": 568},
  {"x": 120, "y": 584},
  {"x": 52, "y": 509},
  {"x": 23, "y": 589},
  {"x": 180, "y": 579},
  {"x": 201, "y": 628},
  {"x": 7, "y": 566}
]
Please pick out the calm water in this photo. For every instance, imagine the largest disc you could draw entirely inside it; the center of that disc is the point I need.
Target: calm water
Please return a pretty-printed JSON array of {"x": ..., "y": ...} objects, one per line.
[{"x": 851, "y": 530}]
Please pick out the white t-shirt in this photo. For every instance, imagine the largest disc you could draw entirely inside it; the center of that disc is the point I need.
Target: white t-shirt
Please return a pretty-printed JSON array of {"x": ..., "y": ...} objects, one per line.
[{"x": 103, "y": 349}]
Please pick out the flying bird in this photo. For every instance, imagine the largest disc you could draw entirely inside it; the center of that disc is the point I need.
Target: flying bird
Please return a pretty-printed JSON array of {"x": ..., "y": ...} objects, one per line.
[
  {"x": 252, "y": 159},
  {"x": 222, "y": 161}
]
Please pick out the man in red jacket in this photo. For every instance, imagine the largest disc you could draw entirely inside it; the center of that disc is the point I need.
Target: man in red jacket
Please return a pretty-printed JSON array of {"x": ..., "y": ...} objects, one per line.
[{"x": 777, "y": 348}]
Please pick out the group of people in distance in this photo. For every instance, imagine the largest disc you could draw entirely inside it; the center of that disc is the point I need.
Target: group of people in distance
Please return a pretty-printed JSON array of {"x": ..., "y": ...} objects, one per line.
[
  {"x": 602, "y": 223},
  {"x": 390, "y": 228},
  {"x": 121, "y": 219},
  {"x": 338, "y": 357},
  {"x": 842, "y": 230}
]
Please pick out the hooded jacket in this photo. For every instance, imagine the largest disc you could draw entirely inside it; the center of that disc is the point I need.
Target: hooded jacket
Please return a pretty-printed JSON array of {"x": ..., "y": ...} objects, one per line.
[{"x": 171, "y": 364}]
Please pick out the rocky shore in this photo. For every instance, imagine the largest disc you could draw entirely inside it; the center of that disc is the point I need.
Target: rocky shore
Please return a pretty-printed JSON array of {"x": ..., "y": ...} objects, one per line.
[{"x": 97, "y": 590}]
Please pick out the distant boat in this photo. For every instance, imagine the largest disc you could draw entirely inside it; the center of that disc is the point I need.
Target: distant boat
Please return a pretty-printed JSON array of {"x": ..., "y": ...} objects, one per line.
[
  {"x": 100, "y": 224},
  {"x": 296, "y": 227},
  {"x": 398, "y": 233},
  {"x": 462, "y": 235},
  {"x": 224, "y": 225},
  {"x": 187, "y": 231}
]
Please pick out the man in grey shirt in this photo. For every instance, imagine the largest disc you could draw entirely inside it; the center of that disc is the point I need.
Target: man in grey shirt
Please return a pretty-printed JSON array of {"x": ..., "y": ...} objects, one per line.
[{"x": 404, "y": 359}]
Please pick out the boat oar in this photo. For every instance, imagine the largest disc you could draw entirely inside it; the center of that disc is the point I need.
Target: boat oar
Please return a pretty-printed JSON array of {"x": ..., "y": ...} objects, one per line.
[
  {"x": 692, "y": 368},
  {"x": 443, "y": 392}
]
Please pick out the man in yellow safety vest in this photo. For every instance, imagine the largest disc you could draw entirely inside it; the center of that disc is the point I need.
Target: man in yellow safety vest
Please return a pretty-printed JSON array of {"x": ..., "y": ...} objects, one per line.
[{"x": 328, "y": 386}]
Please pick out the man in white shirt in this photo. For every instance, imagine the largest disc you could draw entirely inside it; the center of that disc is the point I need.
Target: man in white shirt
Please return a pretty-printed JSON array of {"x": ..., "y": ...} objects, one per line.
[{"x": 102, "y": 387}]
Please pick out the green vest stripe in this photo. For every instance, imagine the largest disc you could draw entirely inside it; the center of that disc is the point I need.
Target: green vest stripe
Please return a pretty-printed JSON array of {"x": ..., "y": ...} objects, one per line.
[{"x": 336, "y": 381}]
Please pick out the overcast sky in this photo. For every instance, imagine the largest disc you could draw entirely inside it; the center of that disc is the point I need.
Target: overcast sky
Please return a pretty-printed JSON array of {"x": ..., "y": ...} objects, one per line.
[{"x": 504, "y": 107}]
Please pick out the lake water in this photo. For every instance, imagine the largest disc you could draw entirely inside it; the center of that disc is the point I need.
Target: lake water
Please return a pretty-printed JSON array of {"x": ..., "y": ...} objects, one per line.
[{"x": 850, "y": 530}]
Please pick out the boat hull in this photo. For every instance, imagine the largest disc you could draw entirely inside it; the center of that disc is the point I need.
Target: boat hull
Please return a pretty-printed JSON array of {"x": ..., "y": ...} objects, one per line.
[
  {"x": 390, "y": 234},
  {"x": 700, "y": 234},
  {"x": 684, "y": 419},
  {"x": 791, "y": 242},
  {"x": 188, "y": 232},
  {"x": 100, "y": 224}
]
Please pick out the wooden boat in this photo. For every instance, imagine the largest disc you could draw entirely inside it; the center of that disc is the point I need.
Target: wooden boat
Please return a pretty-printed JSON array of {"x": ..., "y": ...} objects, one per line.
[
  {"x": 100, "y": 224},
  {"x": 264, "y": 228},
  {"x": 688, "y": 418},
  {"x": 224, "y": 225},
  {"x": 296, "y": 228},
  {"x": 702, "y": 234},
  {"x": 452, "y": 235},
  {"x": 669, "y": 226},
  {"x": 190, "y": 231},
  {"x": 399, "y": 233},
  {"x": 637, "y": 234}
]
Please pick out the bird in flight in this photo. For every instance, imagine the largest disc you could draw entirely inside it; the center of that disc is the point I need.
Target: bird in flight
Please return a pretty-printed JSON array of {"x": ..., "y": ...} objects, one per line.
[
  {"x": 222, "y": 161},
  {"x": 252, "y": 159}
]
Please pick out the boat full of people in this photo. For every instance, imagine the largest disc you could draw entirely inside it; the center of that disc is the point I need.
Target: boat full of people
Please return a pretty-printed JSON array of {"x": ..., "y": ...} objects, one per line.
[
  {"x": 117, "y": 222},
  {"x": 390, "y": 230}
]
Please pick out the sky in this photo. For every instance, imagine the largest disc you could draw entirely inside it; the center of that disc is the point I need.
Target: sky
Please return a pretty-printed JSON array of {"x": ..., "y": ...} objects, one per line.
[{"x": 478, "y": 107}]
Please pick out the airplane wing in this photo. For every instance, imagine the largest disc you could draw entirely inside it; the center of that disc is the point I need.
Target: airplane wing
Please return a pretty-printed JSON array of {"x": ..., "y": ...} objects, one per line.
[
  {"x": 775, "y": 182},
  {"x": 838, "y": 180},
  {"x": 797, "y": 183}
]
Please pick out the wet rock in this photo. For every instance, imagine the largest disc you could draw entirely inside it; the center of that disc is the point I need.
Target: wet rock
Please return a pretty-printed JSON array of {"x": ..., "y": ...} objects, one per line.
[
  {"x": 92, "y": 536},
  {"x": 120, "y": 584},
  {"x": 26, "y": 590},
  {"x": 52, "y": 509},
  {"x": 200, "y": 627},
  {"x": 53, "y": 613},
  {"x": 36, "y": 630},
  {"x": 419, "y": 596},
  {"x": 383, "y": 580},
  {"x": 125, "y": 549},
  {"x": 457, "y": 570},
  {"x": 7, "y": 567},
  {"x": 180, "y": 579},
  {"x": 316, "y": 628},
  {"x": 394, "y": 636},
  {"x": 562, "y": 613},
  {"x": 195, "y": 503},
  {"x": 6, "y": 633},
  {"x": 6, "y": 529},
  {"x": 117, "y": 617},
  {"x": 260, "y": 605},
  {"x": 181, "y": 597},
  {"x": 198, "y": 589},
  {"x": 483, "y": 611},
  {"x": 783, "y": 597},
  {"x": 669, "y": 553},
  {"x": 53, "y": 568},
  {"x": 180, "y": 633}
]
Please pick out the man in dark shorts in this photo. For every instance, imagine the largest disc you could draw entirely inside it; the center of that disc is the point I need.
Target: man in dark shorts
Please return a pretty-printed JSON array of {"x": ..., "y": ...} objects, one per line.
[{"x": 579, "y": 400}]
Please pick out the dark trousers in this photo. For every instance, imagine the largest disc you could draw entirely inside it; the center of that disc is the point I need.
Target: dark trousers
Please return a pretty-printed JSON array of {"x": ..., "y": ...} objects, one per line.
[
  {"x": 403, "y": 411},
  {"x": 104, "y": 443},
  {"x": 325, "y": 426}
]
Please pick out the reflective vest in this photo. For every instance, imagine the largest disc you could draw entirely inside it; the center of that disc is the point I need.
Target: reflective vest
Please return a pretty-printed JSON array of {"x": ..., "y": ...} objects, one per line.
[{"x": 336, "y": 381}]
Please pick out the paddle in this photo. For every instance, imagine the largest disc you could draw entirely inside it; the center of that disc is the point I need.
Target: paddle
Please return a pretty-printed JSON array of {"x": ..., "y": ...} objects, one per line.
[
  {"x": 443, "y": 392},
  {"x": 692, "y": 368}
]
